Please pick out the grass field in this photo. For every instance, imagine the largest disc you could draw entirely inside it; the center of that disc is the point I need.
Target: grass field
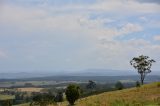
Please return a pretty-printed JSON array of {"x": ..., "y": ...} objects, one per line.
[
  {"x": 25, "y": 104},
  {"x": 6, "y": 97},
  {"x": 146, "y": 95},
  {"x": 29, "y": 89}
]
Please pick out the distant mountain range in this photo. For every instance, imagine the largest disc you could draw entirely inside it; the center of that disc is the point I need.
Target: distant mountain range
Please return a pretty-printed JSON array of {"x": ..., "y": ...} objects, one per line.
[{"x": 89, "y": 72}]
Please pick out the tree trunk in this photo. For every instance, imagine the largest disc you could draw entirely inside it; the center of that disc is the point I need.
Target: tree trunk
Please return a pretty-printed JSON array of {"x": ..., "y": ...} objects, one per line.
[
  {"x": 142, "y": 81},
  {"x": 142, "y": 78}
]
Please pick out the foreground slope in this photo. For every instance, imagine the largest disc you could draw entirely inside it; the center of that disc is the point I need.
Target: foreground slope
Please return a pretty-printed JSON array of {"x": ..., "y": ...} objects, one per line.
[{"x": 146, "y": 95}]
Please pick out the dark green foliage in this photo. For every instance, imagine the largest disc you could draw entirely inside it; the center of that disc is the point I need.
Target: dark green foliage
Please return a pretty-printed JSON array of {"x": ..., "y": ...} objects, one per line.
[
  {"x": 138, "y": 84},
  {"x": 100, "y": 88},
  {"x": 28, "y": 85},
  {"x": 72, "y": 93},
  {"x": 91, "y": 85},
  {"x": 143, "y": 65},
  {"x": 158, "y": 85},
  {"x": 119, "y": 85},
  {"x": 22, "y": 97},
  {"x": 59, "y": 97},
  {"x": 6, "y": 102},
  {"x": 42, "y": 99}
]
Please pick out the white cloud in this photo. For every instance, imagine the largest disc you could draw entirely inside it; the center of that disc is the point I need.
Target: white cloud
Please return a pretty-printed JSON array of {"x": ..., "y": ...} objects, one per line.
[
  {"x": 29, "y": 20},
  {"x": 143, "y": 18},
  {"x": 125, "y": 6},
  {"x": 3, "y": 55},
  {"x": 157, "y": 38},
  {"x": 117, "y": 54},
  {"x": 130, "y": 28},
  {"x": 101, "y": 50}
]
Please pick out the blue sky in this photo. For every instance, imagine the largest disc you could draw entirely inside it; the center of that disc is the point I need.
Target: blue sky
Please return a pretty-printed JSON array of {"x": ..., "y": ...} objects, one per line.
[{"x": 74, "y": 35}]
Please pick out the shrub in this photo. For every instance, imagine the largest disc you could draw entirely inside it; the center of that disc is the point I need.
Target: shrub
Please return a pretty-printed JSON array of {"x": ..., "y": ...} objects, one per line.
[
  {"x": 72, "y": 93},
  {"x": 119, "y": 85},
  {"x": 91, "y": 85},
  {"x": 59, "y": 97},
  {"x": 42, "y": 100},
  {"x": 158, "y": 84},
  {"x": 138, "y": 84}
]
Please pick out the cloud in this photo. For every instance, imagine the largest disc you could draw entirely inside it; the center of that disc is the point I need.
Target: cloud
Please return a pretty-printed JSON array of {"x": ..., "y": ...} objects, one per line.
[
  {"x": 3, "y": 55},
  {"x": 130, "y": 28},
  {"x": 77, "y": 36},
  {"x": 149, "y": 1},
  {"x": 121, "y": 52},
  {"x": 157, "y": 38},
  {"x": 132, "y": 7},
  {"x": 29, "y": 20}
]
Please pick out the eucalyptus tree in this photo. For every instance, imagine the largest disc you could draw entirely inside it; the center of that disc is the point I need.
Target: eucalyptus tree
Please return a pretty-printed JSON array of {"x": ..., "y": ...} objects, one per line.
[
  {"x": 91, "y": 85},
  {"x": 72, "y": 93},
  {"x": 143, "y": 65}
]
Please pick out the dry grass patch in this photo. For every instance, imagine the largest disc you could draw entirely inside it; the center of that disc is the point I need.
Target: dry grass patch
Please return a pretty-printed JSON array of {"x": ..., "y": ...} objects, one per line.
[{"x": 30, "y": 89}]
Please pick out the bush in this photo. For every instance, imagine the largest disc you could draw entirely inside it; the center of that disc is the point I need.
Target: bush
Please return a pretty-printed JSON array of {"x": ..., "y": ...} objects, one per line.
[
  {"x": 158, "y": 84},
  {"x": 138, "y": 84},
  {"x": 91, "y": 85},
  {"x": 6, "y": 103},
  {"x": 119, "y": 85},
  {"x": 72, "y": 93},
  {"x": 42, "y": 99},
  {"x": 28, "y": 85},
  {"x": 59, "y": 97}
]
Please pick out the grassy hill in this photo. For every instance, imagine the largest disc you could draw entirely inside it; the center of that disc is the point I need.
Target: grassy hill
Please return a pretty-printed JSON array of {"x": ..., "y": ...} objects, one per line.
[
  {"x": 143, "y": 96},
  {"x": 146, "y": 95}
]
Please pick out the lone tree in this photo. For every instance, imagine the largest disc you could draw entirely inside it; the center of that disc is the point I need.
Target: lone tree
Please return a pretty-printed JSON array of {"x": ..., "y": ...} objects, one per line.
[
  {"x": 143, "y": 65},
  {"x": 91, "y": 85},
  {"x": 72, "y": 93}
]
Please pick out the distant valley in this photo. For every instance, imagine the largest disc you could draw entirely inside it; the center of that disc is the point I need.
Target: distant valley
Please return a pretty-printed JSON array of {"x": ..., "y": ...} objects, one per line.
[{"x": 89, "y": 72}]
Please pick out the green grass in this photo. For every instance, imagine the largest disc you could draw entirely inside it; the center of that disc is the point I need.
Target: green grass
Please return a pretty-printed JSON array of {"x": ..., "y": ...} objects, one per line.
[
  {"x": 146, "y": 95},
  {"x": 25, "y": 104},
  {"x": 6, "y": 97}
]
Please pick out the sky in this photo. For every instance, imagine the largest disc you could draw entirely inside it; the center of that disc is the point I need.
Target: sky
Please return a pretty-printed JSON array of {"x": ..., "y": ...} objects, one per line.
[{"x": 75, "y": 35}]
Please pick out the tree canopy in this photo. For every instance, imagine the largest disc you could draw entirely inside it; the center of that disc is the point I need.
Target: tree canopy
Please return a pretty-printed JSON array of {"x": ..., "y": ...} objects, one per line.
[
  {"x": 143, "y": 64},
  {"x": 72, "y": 93}
]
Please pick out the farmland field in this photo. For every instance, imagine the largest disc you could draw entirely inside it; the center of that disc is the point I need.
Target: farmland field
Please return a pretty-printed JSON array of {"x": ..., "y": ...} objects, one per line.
[
  {"x": 5, "y": 97},
  {"x": 30, "y": 89}
]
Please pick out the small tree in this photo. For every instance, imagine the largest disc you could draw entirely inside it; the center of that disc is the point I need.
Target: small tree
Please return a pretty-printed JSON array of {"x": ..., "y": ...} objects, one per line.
[
  {"x": 143, "y": 65},
  {"x": 91, "y": 85},
  {"x": 72, "y": 93},
  {"x": 119, "y": 85}
]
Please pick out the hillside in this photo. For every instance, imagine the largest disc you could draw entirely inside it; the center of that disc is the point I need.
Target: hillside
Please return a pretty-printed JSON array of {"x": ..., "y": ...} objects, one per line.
[{"x": 146, "y": 95}]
